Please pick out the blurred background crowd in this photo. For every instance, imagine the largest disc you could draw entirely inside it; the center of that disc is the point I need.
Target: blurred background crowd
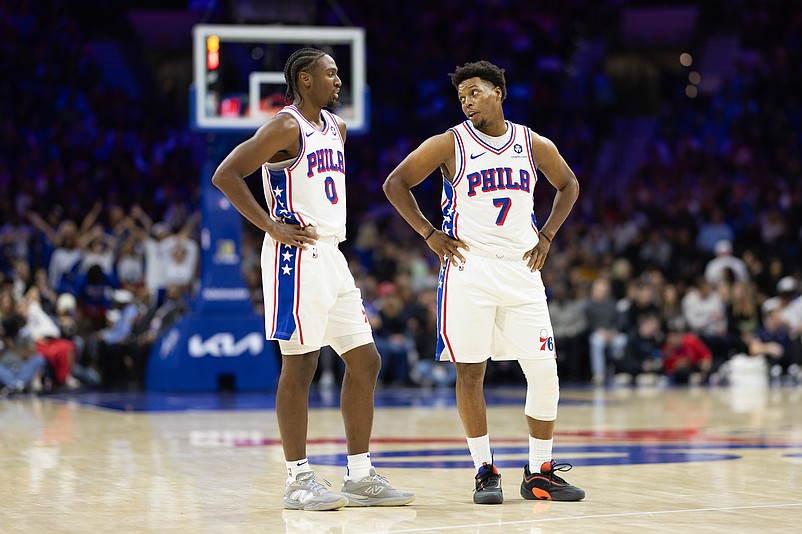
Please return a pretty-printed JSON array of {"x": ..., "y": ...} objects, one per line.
[{"x": 684, "y": 128}]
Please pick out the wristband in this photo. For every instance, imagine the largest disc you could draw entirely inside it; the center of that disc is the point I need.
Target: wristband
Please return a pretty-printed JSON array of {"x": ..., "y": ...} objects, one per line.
[
  {"x": 430, "y": 234},
  {"x": 544, "y": 236}
]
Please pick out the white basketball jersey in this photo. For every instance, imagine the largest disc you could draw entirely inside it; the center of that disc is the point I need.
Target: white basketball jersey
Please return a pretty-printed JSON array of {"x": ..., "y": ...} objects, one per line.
[
  {"x": 489, "y": 204},
  {"x": 310, "y": 190}
]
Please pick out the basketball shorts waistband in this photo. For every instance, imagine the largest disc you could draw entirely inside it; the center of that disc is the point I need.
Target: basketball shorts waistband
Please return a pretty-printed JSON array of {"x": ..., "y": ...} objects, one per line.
[
  {"x": 330, "y": 240},
  {"x": 506, "y": 255}
]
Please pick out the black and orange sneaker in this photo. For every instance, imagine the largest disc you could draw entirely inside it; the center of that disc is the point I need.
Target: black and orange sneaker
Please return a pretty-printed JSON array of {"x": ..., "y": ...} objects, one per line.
[
  {"x": 547, "y": 486},
  {"x": 488, "y": 485}
]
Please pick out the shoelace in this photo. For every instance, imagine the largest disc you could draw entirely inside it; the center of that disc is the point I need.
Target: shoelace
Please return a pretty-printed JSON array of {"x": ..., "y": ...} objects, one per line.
[
  {"x": 314, "y": 484},
  {"x": 559, "y": 467},
  {"x": 485, "y": 476},
  {"x": 379, "y": 479}
]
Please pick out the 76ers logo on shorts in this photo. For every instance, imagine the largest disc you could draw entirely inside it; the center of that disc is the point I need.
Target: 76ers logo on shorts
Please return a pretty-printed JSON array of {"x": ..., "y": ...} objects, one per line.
[{"x": 546, "y": 341}]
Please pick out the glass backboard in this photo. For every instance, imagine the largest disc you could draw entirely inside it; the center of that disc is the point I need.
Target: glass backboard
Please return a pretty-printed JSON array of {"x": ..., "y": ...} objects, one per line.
[{"x": 239, "y": 72}]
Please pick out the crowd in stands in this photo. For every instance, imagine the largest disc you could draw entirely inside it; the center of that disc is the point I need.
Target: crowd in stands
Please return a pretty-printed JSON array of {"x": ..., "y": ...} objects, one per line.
[
  {"x": 88, "y": 280},
  {"x": 90, "y": 317},
  {"x": 694, "y": 259}
]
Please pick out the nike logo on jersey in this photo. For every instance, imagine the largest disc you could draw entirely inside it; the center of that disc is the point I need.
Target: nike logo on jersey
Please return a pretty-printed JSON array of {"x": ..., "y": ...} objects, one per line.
[
  {"x": 309, "y": 133},
  {"x": 474, "y": 156}
]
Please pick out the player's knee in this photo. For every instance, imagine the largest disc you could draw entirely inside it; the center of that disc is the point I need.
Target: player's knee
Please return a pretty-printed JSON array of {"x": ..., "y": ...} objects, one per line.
[
  {"x": 543, "y": 389},
  {"x": 471, "y": 375},
  {"x": 299, "y": 368},
  {"x": 373, "y": 362},
  {"x": 363, "y": 360}
]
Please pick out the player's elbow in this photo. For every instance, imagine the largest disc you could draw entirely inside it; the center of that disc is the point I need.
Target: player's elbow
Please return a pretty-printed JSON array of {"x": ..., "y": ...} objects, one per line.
[
  {"x": 390, "y": 185},
  {"x": 571, "y": 188},
  {"x": 575, "y": 187},
  {"x": 219, "y": 179}
]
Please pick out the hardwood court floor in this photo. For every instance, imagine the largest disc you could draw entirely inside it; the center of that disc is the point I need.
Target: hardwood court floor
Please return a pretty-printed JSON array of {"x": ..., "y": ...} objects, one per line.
[{"x": 650, "y": 460}]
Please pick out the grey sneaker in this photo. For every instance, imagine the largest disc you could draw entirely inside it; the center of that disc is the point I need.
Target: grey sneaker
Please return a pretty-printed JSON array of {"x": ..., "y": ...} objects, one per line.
[
  {"x": 307, "y": 493},
  {"x": 374, "y": 490}
]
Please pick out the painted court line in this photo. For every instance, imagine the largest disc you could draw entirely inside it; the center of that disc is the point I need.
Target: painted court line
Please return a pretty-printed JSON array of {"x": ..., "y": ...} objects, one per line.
[{"x": 602, "y": 516}]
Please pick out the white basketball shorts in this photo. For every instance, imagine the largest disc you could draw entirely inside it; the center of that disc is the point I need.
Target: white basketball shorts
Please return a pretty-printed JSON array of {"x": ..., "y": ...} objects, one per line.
[
  {"x": 492, "y": 308},
  {"x": 311, "y": 299}
]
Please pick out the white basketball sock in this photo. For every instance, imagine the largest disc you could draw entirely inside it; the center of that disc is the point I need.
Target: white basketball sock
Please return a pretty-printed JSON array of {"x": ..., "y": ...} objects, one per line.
[
  {"x": 480, "y": 450},
  {"x": 539, "y": 452},
  {"x": 294, "y": 467},
  {"x": 358, "y": 466}
]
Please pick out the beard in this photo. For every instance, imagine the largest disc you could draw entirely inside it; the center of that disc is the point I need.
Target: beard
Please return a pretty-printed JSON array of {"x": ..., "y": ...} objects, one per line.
[{"x": 334, "y": 103}]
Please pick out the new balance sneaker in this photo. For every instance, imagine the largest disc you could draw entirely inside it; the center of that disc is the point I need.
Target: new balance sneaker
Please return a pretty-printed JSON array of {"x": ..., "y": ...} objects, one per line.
[
  {"x": 546, "y": 485},
  {"x": 307, "y": 492},
  {"x": 488, "y": 485},
  {"x": 374, "y": 490}
]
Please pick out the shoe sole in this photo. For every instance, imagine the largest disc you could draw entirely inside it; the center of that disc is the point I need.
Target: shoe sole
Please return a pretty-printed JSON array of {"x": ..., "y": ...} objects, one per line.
[
  {"x": 488, "y": 498},
  {"x": 537, "y": 494},
  {"x": 356, "y": 502},
  {"x": 318, "y": 507}
]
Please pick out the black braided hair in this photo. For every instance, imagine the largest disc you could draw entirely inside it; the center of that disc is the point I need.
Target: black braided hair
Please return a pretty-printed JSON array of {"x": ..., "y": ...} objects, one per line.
[
  {"x": 300, "y": 60},
  {"x": 481, "y": 69}
]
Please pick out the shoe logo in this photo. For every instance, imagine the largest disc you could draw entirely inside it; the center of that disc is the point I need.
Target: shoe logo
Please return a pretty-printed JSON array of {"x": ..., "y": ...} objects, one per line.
[
  {"x": 474, "y": 156},
  {"x": 374, "y": 490},
  {"x": 302, "y": 463},
  {"x": 309, "y": 133},
  {"x": 302, "y": 496}
]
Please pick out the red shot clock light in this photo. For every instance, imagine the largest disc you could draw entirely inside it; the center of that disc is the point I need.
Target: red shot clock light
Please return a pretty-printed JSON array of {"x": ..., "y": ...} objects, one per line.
[{"x": 212, "y": 52}]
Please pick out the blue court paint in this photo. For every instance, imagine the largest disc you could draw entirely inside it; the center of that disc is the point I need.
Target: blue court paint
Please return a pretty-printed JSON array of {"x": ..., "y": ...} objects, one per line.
[
  {"x": 575, "y": 455},
  {"x": 450, "y": 452},
  {"x": 266, "y": 400}
]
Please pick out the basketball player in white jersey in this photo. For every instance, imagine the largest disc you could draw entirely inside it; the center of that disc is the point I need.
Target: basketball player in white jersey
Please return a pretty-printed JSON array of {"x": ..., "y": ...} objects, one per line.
[
  {"x": 491, "y": 299},
  {"x": 311, "y": 299}
]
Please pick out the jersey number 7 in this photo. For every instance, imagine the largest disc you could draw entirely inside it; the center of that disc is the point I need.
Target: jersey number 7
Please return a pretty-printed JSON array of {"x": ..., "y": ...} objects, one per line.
[{"x": 504, "y": 204}]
